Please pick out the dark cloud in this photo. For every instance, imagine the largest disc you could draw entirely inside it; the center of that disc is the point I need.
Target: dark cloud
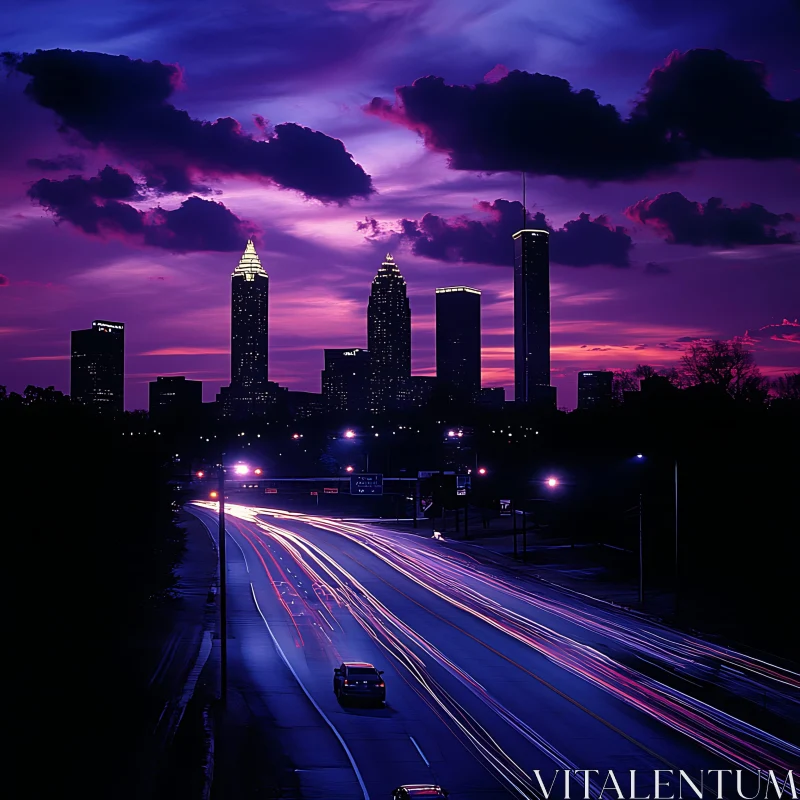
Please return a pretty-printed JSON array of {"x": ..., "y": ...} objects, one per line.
[
  {"x": 652, "y": 268},
  {"x": 700, "y": 103},
  {"x": 580, "y": 243},
  {"x": 123, "y": 105},
  {"x": 95, "y": 206},
  {"x": 69, "y": 161},
  {"x": 683, "y": 221},
  {"x": 3, "y": 280}
]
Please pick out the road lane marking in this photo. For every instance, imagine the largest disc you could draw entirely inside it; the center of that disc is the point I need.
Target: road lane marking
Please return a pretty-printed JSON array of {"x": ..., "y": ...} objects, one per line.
[
  {"x": 422, "y": 755},
  {"x": 302, "y": 685}
]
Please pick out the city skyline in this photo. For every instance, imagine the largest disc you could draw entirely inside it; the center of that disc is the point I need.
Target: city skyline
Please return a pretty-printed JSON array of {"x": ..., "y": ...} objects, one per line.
[{"x": 647, "y": 253}]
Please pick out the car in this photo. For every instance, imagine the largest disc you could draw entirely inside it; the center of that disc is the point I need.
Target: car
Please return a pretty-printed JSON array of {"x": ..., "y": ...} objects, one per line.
[
  {"x": 412, "y": 790},
  {"x": 358, "y": 680}
]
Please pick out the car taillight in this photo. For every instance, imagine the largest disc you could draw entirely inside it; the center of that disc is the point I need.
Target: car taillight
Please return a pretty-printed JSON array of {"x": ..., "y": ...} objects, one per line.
[
  {"x": 381, "y": 685},
  {"x": 347, "y": 683}
]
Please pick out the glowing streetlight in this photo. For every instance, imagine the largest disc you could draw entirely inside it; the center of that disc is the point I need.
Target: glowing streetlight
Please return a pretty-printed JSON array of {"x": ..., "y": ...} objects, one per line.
[
  {"x": 551, "y": 482},
  {"x": 451, "y": 434},
  {"x": 349, "y": 434},
  {"x": 295, "y": 436},
  {"x": 348, "y": 469},
  {"x": 213, "y": 495},
  {"x": 241, "y": 469},
  {"x": 481, "y": 470},
  {"x": 257, "y": 471},
  {"x": 201, "y": 474},
  {"x": 640, "y": 455}
]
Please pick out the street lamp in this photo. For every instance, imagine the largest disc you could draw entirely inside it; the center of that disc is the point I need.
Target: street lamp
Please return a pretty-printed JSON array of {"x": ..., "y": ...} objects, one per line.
[
  {"x": 348, "y": 468},
  {"x": 481, "y": 470},
  {"x": 348, "y": 434},
  {"x": 241, "y": 469},
  {"x": 552, "y": 482}
]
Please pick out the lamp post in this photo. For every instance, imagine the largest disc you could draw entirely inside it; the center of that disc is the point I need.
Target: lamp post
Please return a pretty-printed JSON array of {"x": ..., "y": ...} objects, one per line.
[
  {"x": 223, "y": 586},
  {"x": 239, "y": 469}
]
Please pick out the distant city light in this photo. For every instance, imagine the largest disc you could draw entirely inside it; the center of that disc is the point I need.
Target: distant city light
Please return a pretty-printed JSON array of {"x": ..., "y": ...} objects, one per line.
[
  {"x": 349, "y": 469},
  {"x": 213, "y": 495},
  {"x": 349, "y": 434},
  {"x": 257, "y": 471},
  {"x": 241, "y": 469},
  {"x": 451, "y": 434},
  {"x": 552, "y": 482},
  {"x": 201, "y": 474},
  {"x": 295, "y": 436},
  {"x": 481, "y": 470},
  {"x": 639, "y": 455}
]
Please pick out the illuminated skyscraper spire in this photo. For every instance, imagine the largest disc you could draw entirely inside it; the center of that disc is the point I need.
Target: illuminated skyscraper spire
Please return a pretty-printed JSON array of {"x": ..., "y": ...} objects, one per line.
[
  {"x": 388, "y": 337},
  {"x": 249, "y": 263}
]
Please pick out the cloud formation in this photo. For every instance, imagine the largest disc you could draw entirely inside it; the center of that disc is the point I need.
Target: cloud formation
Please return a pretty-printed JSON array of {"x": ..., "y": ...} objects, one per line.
[
  {"x": 683, "y": 221},
  {"x": 698, "y": 104},
  {"x": 582, "y": 242},
  {"x": 95, "y": 206},
  {"x": 123, "y": 104},
  {"x": 61, "y": 162}
]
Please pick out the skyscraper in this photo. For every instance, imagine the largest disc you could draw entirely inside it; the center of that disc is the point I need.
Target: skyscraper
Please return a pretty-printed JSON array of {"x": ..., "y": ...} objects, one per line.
[
  {"x": 173, "y": 399},
  {"x": 388, "y": 338},
  {"x": 532, "y": 317},
  {"x": 458, "y": 341},
  {"x": 595, "y": 389},
  {"x": 97, "y": 366},
  {"x": 249, "y": 391},
  {"x": 346, "y": 380}
]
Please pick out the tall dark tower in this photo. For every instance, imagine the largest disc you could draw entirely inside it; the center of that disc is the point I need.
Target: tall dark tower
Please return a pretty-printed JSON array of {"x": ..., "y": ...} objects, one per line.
[
  {"x": 532, "y": 313},
  {"x": 97, "y": 366},
  {"x": 248, "y": 393},
  {"x": 458, "y": 341},
  {"x": 388, "y": 338}
]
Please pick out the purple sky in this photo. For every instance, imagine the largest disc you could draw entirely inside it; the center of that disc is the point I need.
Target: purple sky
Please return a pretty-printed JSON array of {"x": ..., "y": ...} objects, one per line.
[{"x": 643, "y": 259}]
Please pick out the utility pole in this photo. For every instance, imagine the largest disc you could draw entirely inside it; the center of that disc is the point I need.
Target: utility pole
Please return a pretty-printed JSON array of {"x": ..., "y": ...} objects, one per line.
[
  {"x": 514, "y": 526},
  {"x": 416, "y": 500},
  {"x": 641, "y": 571},
  {"x": 677, "y": 573},
  {"x": 223, "y": 586},
  {"x": 524, "y": 536},
  {"x": 466, "y": 510}
]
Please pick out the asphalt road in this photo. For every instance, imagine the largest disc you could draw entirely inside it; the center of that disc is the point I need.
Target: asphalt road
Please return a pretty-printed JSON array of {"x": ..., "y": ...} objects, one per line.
[{"x": 489, "y": 676}]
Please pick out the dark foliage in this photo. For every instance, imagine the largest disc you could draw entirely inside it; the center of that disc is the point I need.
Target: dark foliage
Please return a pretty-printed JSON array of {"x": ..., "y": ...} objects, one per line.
[{"x": 94, "y": 540}]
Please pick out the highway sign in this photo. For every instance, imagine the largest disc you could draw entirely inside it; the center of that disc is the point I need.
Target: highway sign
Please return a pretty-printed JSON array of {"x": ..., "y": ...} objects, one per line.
[
  {"x": 270, "y": 491},
  {"x": 328, "y": 490},
  {"x": 366, "y": 484},
  {"x": 427, "y": 473},
  {"x": 505, "y": 508},
  {"x": 314, "y": 494},
  {"x": 461, "y": 492}
]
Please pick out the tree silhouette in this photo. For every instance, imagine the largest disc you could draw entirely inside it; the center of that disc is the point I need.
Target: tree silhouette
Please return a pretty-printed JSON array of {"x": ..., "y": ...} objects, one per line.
[{"x": 727, "y": 365}]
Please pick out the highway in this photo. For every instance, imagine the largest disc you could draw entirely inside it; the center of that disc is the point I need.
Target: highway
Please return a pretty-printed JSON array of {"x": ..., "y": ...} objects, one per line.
[{"x": 490, "y": 675}]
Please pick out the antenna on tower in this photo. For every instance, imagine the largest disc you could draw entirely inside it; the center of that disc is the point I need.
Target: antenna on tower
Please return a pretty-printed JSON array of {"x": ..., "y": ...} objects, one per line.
[{"x": 524, "y": 204}]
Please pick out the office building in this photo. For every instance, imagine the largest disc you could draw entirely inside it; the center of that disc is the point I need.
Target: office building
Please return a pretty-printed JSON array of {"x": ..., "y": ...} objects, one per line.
[
  {"x": 493, "y": 397},
  {"x": 388, "y": 338},
  {"x": 346, "y": 380},
  {"x": 595, "y": 389},
  {"x": 174, "y": 398},
  {"x": 458, "y": 342},
  {"x": 419, "y": 391},
  {"x": 532, "y": 318},
  {"x": 97, "y": 366},
  {"x": 249, "y": 392}
]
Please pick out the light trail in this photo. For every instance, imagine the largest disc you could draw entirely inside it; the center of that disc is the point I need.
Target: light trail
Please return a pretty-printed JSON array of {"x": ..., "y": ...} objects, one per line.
[{"x": 465, "y": 586}]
